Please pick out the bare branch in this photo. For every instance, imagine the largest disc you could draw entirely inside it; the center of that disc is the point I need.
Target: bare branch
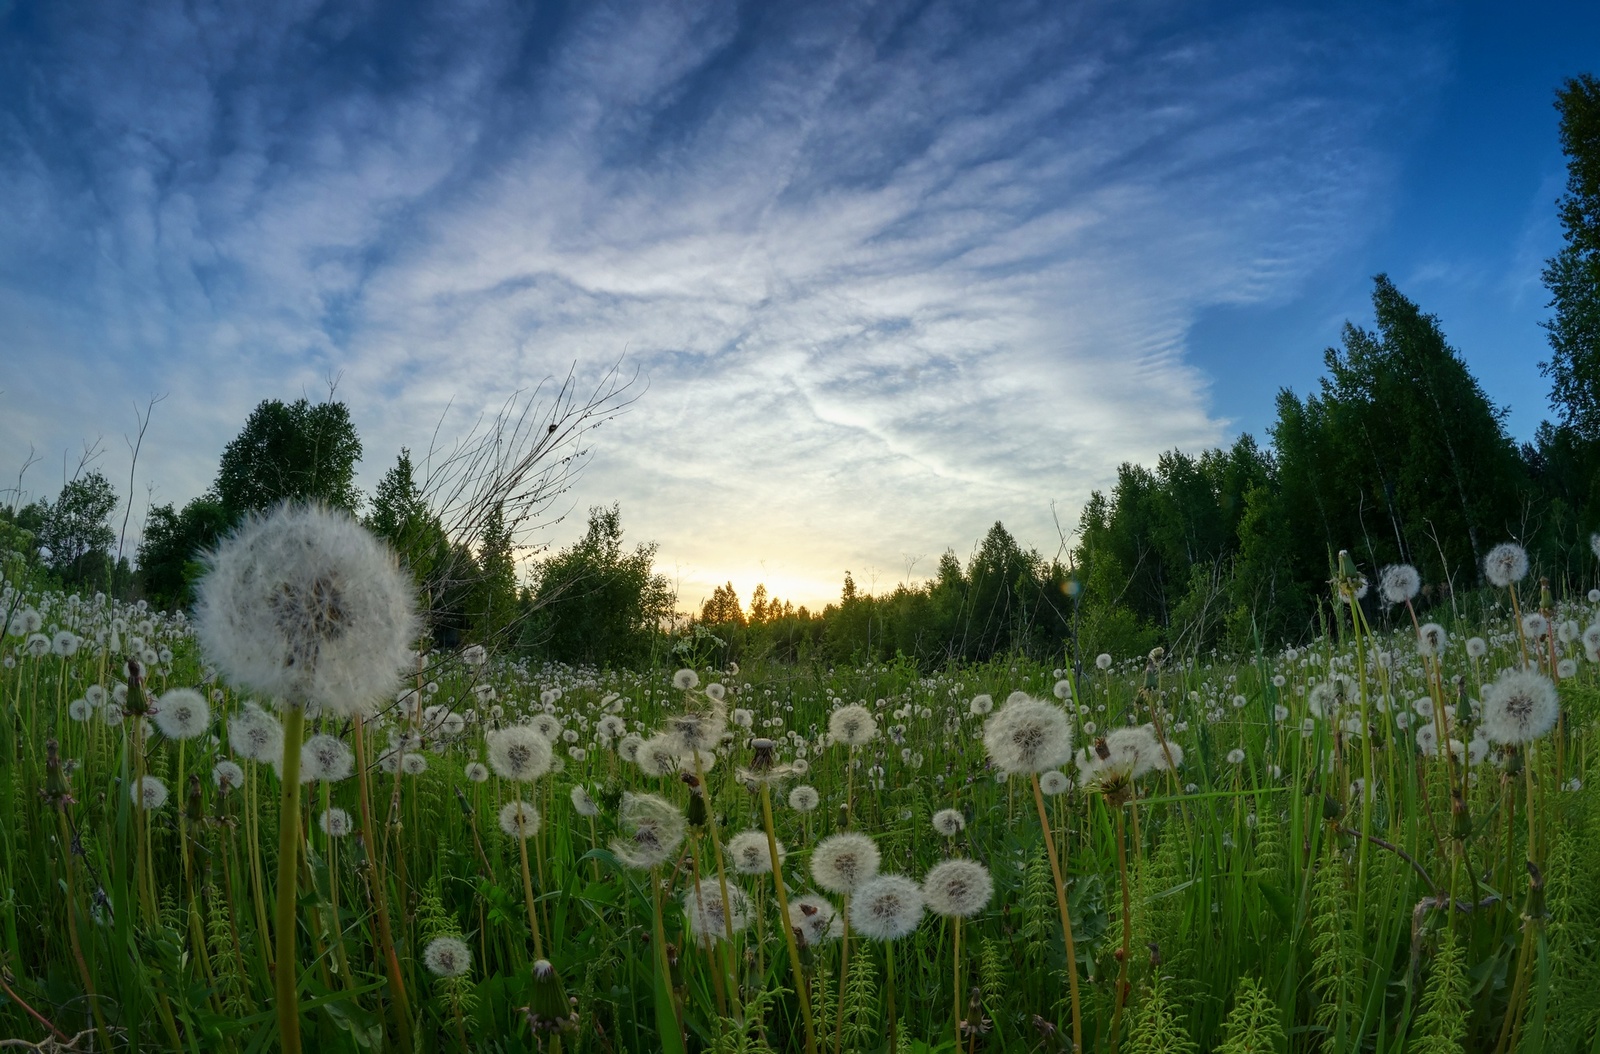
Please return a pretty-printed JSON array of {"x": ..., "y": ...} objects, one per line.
[{"x": 133, "y": 464}]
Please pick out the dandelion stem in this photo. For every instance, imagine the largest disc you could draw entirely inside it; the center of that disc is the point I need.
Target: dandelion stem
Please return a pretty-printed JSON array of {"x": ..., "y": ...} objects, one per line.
[
  {"x": 800, "y": 988},
  {"x": 288, "y": 853},
  {"x": 1066, "y": 917}
]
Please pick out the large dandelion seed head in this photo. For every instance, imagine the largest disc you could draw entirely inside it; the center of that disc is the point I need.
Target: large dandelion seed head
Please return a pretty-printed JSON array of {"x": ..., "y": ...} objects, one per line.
[
  {"x": 518, "y": 819},
  {"x": 255, "y": 734},
  {"x": 304, "y": 604},
  {"x": 519, "y": 753},
  {"x": 1053, "y": 782},
  {"x": 697, "y": 730},
  {"x": 852, "y": 725},
  {"x": 709, "y": 917},
  {"x": 227, "y": 775},
  {"x": 804, "y": 798},
  {"x": 685, "y": 679},
  {"x": 1028, "y": 735},
  {"x": 582, "y": 803},
  {"x": 651, "y": 829},
  {"x": 326, "y": 759},
  {"x": 1519, "y": 707},
  {"x": 1431, "y": 639},
  {"x": 815, "y": 919},
  {"x": 447, "y": 957},
  {"x": 949, "y": 822},
  {"x": 335, "y": 822},
  {"x": 748, "y": 853},
  {"x": 1399, "y": 583},
  {"x": 886, "y": 907},
  {"x": 841, "y": 862},
  {"x": 957, "y": 887},
  {"x": 148, "y": 793},
  {"x": 1506, "y": 564},
  {"x": 659, "y": 756},
  {"x": 181, "y": 714}
]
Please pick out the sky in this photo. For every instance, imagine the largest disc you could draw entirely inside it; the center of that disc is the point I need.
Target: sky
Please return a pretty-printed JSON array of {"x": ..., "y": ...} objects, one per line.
[{"x": 887, "y": 272}]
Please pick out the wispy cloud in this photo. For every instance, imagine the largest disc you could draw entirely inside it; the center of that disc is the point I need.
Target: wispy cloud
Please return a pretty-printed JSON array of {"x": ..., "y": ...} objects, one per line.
[{"x": 892, "y": 271}]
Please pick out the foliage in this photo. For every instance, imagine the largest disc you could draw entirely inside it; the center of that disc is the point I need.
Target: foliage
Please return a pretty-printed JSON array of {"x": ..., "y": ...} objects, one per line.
[{"x": 290, "y": 450}]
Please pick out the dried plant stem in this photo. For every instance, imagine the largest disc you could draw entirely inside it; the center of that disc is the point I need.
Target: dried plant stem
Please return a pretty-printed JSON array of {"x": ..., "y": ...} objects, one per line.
[{"x": 1066, "y": 917}]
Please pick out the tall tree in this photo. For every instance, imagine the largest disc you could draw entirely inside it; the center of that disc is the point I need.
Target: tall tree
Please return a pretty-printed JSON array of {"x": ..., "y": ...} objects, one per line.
[
  {"x": 76, "y": 529},
  {"x": 291, "y": 450},
  {"x": 595, "y": 601},
  {"x": 169, "y": 555},
  {"x": 1573, "y": 274}
]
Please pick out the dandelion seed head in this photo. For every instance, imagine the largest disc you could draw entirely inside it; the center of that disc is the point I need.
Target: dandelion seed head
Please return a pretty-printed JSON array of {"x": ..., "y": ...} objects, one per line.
[
  {"x": 949, "y": 822},
  {"x": 148, "y": 793},
  {"x": 1520, "y": 706},
  {"x": 305, "y": 604},
  {"x": 582, "y": 803},
  {"x": 335, "y": 822},
  {"x": 1431, "y": 639},
  {"x": 519, "y": 753},
  {"x": 325, "y": 758},
  {"x": 1103, "y": 661},
  {"x": 804, "y": 798},
  {"x": 1506, "y": 564},
  {"x": 841, "y": 862},
  {"x": 957, "y": 887},
  {"x": 852, "y": 725},
  {"x": 685, "y": 680},
  {"x": 518, "y": 819},
  {"x": 981, "y": 705},
  {"x": 1398, "y": 583},
  {"x": 1053, "y": 782},
  {"x": 447, "y": 957},
  {"x": 709, "y": 917},
  {"x": 476, "y": 771},
  {"x": 413, "y": 764},
  {"x": 886, "y": 907},
  {"x": 255, "y": 734},
  {"x": 815, "y": 918},
  {"x": 227, "y": 775},
  {"x": 650, "y": 831},
  {"x": 748, "y": 853},
  {"x": 1028, "y": 735}
]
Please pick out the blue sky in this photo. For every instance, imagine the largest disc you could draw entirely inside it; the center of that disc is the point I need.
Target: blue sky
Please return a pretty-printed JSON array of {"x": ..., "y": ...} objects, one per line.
[{"x": 892, "y": 271}]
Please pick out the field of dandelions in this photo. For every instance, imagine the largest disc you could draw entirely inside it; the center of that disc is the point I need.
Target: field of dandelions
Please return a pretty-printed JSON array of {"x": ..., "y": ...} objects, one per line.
[{"x": 272, "y": 825}]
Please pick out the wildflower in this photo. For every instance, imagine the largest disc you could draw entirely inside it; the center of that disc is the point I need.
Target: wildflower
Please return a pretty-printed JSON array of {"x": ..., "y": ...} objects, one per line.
[
  {"x": 654, "y": 829},
  {"x": 815, "y": 919},
  {"x": 886, "y": 907},
  {"x": 518, "y": 819},
  {"x": 852, "y": 725},
  {"x": 447, "y": 957},
  {"x": 79, "y": 709},
  {"x": 841, "y": 862},
  {"x": 304, "y": 603},
  {"x": 716, "y": 692},
  {"x": 413, "y": 764},
  {"x": 1535, "y": 625},
  {"x": 981, "y": 705},
  {"x": 37, "y": 645},
  {"x": 518, "y": 753},
  {"x": 1236, "y": 756},
  {"x": 1062, "y": 689},
  {"x": 957, "y": 887},
  {"x": 1567, "y": 668},
  {"x": 1053, "y": 782},
  {"x": 256, "y": 734},
  {"x": 1506, "y": 564},
  {"x": 335, "y": 823},
  {"x": 476, "y": 655},
  {"x": 1103, "y": 661},
  {"x": 227, "y": 775},
  {"x": 1428, "y": 739},
  {"x": 148, "y": 793},
  {"x": 1477, "y": 647},
  {"x": 325, "y": 758},
  {"x": 749, "y": 853},
  {"x": 804, "y": 798},
  {"x": 709, "y": 917},
  {"x": 949, "y": 822},
  {"x": 1028, "y": 735},
  {"x": 582, "y": 803},
  {"x": 659, "y": 756},
  {"x": 64, "y": 644},
  {"x": 1519, "y": 707},
  {"x": 1398, "y": 583},
  {"x": 697, "y": 731},
  {"x": 1431, "y": 639},
  {"x": 685, "y": 680}
]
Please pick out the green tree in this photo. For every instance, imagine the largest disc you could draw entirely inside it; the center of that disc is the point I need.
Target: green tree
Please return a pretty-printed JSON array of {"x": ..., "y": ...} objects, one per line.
[
  {"x": 494, "y": 605},
  {"x": 596, "y": 602},
  {"x": 1573, "y": 274},
  {"x": 291, "y": 450},
  {"x": 76, "y": 529},
  {"x": 169, "y": 554}
]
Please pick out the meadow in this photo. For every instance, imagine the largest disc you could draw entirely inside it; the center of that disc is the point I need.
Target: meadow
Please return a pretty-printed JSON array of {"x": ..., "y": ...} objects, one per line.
[{"x": 1385, "y": 840}]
